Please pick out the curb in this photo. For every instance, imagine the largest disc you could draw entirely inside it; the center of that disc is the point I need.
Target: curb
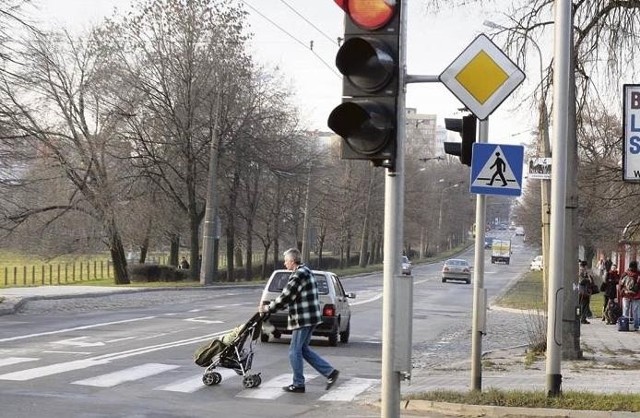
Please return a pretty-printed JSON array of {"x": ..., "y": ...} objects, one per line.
[{"x": 454, "y": 409}]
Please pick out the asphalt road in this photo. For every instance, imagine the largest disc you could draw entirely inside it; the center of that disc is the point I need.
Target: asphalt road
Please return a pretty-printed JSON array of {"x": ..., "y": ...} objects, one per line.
[{"x": 130, "y": 355}]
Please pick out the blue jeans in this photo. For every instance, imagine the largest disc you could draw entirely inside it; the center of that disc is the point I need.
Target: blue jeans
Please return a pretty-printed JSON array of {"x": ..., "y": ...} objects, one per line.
[
  {"x": 299, "y": 350},
  {"x": 635, "y": 311}
]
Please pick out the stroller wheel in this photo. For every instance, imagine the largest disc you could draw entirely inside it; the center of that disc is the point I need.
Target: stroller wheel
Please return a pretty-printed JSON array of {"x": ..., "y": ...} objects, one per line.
[
  {"x": 251, "y": 381},
  {"x": 211, "y": 379}
]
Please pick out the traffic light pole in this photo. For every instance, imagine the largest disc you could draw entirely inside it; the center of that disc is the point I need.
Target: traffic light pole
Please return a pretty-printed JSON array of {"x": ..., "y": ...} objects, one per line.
[
  {"x": 479, "y": 293},
  {"x": 393, "y": 239}
]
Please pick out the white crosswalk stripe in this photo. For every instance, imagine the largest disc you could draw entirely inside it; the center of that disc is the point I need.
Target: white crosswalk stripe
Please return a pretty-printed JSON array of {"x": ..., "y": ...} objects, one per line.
[
  {"x": 194, "y": 383},
  {"x": 37, "y": 372},
  {"x": 126, "y": 375},
  {"x": 348, "y": 390},
  {"x": 16, "y": 360},
  {"x": 272, "y": 388}
]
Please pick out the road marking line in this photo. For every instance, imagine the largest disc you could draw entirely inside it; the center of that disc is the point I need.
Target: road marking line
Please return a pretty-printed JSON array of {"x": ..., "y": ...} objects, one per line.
[
  {"x": 361, "y": 302},
  {"x": 60, "y": 331},
  {"x": 78, "y": 342},
  {"x": 127, "y": 375},
  {"x": 203, "y": 320},
  {"x": 349, "y": 390},
  {"x": 15, "y": 360}
]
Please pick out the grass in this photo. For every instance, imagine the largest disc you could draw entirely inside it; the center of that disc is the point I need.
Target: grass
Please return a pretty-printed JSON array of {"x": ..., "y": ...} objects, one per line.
[
  {"x": 525, "y": 294},
  {"x": 537, "y": 399}
]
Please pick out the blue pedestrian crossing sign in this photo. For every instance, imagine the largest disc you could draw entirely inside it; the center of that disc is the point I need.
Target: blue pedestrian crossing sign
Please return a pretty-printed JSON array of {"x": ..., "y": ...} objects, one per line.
[{"x": 497, "y": 169}]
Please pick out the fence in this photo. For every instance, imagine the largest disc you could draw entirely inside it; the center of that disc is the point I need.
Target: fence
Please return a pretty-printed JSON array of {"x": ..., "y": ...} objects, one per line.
[{"x": 56, "y": 273}]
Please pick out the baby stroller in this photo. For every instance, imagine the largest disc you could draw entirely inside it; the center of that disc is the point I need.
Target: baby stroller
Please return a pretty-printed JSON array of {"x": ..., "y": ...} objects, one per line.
[{"x": 232, "y": 351}]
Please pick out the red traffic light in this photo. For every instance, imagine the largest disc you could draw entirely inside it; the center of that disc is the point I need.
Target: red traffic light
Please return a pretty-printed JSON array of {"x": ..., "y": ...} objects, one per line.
[{"x": 369, "y": 14}]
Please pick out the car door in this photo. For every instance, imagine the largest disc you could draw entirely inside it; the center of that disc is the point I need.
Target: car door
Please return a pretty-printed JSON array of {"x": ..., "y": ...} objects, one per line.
[{"x": 342, "y": 303}]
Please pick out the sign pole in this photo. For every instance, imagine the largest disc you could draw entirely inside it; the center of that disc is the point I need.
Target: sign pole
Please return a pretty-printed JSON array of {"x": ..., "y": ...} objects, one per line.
[{"x": 478, "y": 326}]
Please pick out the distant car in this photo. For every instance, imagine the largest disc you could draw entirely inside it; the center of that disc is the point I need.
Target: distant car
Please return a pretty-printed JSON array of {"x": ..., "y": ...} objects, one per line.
[
  {"x": 488, "y": 241},
  {"x": 456, "y": 269},
  {"x": 406, "y": 265},
  {"x": 334, "y": 301},
  {"x": 537, "y": 263},
  {"x": 519, "y": 231}
]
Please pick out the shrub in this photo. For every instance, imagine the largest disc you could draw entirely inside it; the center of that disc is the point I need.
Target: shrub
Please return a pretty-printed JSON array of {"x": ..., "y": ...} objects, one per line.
[{"x": 156, "y": 273}]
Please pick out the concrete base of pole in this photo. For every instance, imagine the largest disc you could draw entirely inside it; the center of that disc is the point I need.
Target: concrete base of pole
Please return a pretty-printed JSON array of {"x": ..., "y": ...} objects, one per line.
[
  {"x": 554, "y": 382},
  {"x": 571, "y": 340}
]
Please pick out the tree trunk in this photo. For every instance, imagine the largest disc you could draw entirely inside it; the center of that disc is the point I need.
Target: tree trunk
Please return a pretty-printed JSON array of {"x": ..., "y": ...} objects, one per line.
[
  {"x": 248, "y": 271},
  {"x": 118, "y": 257},
  {"x": 194, "y": 254},
  {"x": 230, "y": 244},
  {"x": 174, "y": 250}
]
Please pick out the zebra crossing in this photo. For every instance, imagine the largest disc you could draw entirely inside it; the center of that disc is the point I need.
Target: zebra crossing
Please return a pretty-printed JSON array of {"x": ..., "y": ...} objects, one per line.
[{"x": 270, "y": 389}]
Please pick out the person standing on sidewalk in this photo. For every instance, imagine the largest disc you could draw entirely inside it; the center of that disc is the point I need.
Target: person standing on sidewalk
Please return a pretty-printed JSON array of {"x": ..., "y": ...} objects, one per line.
[
  {"x": 585, "y": 287},
  {"x": 609, "y": 287},
  {"x": 629, "y": 283},
  {"x": 631, "y": 294},
  {"x": 300, "y": 296}
]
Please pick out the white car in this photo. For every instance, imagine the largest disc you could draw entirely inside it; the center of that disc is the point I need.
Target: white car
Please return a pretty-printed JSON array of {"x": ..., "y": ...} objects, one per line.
[
  {"x": 537, "y": 264},
  {"x": 336, "y": 312},
  {"x": 519, "y": 231}
]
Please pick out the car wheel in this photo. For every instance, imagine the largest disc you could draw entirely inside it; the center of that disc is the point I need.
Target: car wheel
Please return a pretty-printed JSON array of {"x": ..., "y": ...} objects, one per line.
[
  {"x": 468, "y": 281},
  {"x": 344, "y": 336},
  {"x": 333, "y": 339},
  {"x": 444, "y": 280},
  {"x": 264, "y": 338},
  {"x": 276, "y": 334}
]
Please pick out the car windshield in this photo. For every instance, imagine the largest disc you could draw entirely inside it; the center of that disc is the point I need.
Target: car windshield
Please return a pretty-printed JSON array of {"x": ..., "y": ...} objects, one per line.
[
  {"x": 405, "y": 259},
  {"x": 282, "y": 277}
]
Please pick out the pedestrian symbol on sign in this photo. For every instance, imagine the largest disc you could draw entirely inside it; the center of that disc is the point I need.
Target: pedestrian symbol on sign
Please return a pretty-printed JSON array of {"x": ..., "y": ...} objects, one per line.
[{"x": 499, "y": 165}]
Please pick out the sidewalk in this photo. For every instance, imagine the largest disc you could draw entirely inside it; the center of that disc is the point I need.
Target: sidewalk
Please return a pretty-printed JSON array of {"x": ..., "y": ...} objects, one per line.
[{"x": 610, "y": 364}]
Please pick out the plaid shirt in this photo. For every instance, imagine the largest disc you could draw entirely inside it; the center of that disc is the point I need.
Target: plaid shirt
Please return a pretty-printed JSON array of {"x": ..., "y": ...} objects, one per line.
[{"x": 300, "y": 295}]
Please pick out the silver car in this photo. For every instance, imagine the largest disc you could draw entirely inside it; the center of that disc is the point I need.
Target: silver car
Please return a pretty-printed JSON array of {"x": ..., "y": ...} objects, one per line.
[
  {"x": 406, "y": 265},
  {"x": 456, "y": 269},
  {"x": 334, "y": 301}
]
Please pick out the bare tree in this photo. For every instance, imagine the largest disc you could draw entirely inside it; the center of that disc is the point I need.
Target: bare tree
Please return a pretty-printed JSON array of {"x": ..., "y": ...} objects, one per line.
[{"x": 50, "y": 102}]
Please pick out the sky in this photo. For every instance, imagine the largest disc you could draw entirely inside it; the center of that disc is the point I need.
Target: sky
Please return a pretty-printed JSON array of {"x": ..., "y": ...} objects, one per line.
[{"x": 284, "y": 30}]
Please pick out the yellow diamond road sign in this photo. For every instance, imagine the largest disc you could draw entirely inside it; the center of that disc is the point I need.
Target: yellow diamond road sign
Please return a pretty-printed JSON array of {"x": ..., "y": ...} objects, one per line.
[{"x": 482, "y": 77}]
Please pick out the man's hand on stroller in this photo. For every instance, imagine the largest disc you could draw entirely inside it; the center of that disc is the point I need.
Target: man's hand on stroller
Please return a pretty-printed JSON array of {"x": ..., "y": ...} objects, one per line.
[{"x": 264, "y": 311}]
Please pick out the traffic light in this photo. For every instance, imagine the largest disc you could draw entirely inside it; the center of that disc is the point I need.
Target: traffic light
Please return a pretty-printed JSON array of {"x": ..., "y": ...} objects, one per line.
[
  {"x": 369, "y": 62},
  {"x": 466, "y": 127}
]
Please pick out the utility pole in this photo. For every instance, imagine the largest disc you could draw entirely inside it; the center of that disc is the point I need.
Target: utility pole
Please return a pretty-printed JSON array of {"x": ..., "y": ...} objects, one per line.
[{"x": 562, "y": 52}]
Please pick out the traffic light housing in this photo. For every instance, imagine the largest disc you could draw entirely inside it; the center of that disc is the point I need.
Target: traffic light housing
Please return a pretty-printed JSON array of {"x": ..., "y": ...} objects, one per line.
[
  {"x": 369, "y": 62},
  {"x": 466, "y": 127}
]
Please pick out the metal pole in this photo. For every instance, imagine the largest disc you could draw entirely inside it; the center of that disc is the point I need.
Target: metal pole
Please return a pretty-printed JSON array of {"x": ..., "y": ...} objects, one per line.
[
  {"x": 208, "y": 269},
  {"x": 306, "y": 252},
  {"x": 393, "y": 238},
  {"x": 562, "y": 44},
  {"x": 478, "y": 279}
]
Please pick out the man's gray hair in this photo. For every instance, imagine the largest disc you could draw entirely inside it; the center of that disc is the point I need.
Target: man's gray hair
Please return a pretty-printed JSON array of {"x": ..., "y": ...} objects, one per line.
[{"x": 294, "y": 255}]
